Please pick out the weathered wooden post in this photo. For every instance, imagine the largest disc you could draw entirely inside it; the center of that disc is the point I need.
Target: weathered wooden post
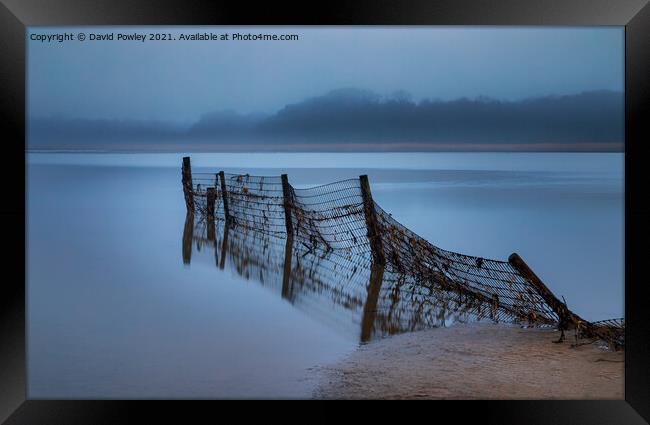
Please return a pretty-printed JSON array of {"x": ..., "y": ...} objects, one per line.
[
  {"x": 370, "y": 306},
  {"x": 374, "y": 233},
  {"x": 224, "y": 197},
  {"x": 288, "y": 248},
  {"x": 286, "y": 193},
  {"x": 188, "y": 188},
  {"x": 564, "y": 314},
  {"x": 210, "y": 196},
  {"x": 378, "y": 260},
  {"x": 188, "y": 234}
]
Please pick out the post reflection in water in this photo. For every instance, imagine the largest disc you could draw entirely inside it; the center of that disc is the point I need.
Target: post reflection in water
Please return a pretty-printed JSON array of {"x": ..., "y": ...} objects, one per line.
[
  {"x": 188, "y": 235},
  {"x": 336, "y": 287}
]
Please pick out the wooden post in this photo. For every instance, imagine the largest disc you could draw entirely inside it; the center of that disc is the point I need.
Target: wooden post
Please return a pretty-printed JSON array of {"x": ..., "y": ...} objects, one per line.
[
  {"x": 374, "y": 234},
  {"x": 210, "y": 199},
  {"x": 370, "y": 306},
  {"x": 188, "y": 234},
  {"x": 288, "y": 249},
  {"x": 565, "y": 315},
  {"x": 286, "y": 192},
  {"x": 224, "y": 197},
  {"x": 188, "y": 187},
  {"x": 378, "y": 260}
]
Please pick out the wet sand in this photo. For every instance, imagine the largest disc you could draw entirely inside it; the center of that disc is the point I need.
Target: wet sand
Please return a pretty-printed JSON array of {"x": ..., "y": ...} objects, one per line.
[{"x": 478, "y": 361}]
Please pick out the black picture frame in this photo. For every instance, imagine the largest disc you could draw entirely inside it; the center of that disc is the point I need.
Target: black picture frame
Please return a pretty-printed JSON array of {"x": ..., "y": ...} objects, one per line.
[{"x": 16, "y": 15}]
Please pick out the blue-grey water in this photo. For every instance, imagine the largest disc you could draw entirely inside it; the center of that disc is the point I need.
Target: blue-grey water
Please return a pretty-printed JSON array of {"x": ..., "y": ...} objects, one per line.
[{"x": 114, "y": 313}]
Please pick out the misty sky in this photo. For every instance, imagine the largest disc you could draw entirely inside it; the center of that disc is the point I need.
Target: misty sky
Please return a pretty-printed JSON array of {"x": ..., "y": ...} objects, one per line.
[{"x": 181, "y": 80}]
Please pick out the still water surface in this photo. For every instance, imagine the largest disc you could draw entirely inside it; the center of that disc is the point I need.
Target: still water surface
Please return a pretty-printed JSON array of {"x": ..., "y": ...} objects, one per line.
[{"x": 113, "y": 312}]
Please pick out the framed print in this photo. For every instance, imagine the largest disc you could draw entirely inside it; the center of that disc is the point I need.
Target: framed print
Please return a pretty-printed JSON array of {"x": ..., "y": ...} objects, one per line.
[{"x": 428, "y": 201}]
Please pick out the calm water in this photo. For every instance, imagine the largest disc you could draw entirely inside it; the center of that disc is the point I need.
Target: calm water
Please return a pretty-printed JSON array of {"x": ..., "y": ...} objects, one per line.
[{"x": 114, "y": 313}]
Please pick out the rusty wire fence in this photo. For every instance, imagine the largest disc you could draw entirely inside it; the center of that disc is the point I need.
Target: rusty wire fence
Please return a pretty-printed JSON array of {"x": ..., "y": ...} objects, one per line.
[{"x": 336, "y": 230}]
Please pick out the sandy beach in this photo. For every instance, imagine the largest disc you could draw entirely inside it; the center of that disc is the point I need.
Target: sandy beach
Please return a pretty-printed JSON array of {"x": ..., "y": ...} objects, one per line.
[{"x": 478, "y": 361}]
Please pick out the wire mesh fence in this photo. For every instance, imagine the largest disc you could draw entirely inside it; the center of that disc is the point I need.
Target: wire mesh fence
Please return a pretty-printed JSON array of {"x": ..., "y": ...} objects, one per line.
[
  {"x": 490, "y": 287},
  {"x": 330, "y": 216},
  {"x": 335, "y": 231}
]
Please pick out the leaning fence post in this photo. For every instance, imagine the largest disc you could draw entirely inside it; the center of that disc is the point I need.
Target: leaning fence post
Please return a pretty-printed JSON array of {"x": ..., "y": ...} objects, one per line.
[
  {"x": 210, "y": 196},
  {"x": 564, "y": 314},
  {"x": 374, "y": 235},
  {"x": 286, "y": 193},
  {"x": 188, "y": 190},
  {"x": 224, "y": 196}
]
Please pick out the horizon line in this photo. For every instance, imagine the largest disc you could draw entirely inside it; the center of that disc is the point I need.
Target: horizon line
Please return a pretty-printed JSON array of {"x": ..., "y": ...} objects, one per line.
[{"x": 616, "y": 147}]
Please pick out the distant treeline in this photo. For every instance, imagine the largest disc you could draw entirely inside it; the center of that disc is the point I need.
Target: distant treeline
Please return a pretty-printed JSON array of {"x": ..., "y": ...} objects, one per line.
[{"x": 586, "y": 121}]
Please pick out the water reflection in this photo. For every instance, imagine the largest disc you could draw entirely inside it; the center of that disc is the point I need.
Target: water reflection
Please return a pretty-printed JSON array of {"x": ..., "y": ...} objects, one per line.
[{"x": 348, "y": 290}]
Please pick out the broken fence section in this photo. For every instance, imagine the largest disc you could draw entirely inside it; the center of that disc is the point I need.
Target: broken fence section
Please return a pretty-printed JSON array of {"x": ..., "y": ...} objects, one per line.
[{"x": 342, "y": 218}]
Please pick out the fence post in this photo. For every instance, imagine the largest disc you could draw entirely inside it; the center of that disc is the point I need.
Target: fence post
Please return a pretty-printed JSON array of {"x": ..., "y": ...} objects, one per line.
[
  {"x": 286, "y": 193},
  {"x": 188, "y": 188},
  {"x": 564, "y": 314},
  {"x": 224, "y": 196},
  {"x": 210, "y": 195},
  {"x": 374, "y": 234}
]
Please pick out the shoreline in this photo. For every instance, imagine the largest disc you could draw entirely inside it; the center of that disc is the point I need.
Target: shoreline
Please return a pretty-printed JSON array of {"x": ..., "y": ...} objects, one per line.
[{"x": 476, "y": 361}]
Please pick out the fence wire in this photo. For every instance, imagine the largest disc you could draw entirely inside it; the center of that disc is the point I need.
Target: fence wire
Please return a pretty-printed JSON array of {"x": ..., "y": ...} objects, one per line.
[
  {"x": 491, "y": 287},
  {"x": 420, "y": 285}
]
